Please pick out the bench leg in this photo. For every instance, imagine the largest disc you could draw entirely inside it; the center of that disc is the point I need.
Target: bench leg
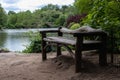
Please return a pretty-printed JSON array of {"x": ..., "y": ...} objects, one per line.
[
  {"x": 78, "y": 61},
  {"x": 78, "y": 55},
  {"x": 58, "y": 50},
  {"x": 44, "y": 56},
  {"x": 103, "y": 56},
  {"x": 103, "y": 52}
]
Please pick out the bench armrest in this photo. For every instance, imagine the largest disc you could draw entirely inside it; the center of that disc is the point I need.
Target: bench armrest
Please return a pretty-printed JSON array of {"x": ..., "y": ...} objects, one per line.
[
  {"x": 83, "y": 33},
  {"x": 44, "y": 31},
  {"x": 49, "y": 30},
  {"x": 65, "y": 30},
  {"x": 92, "y": 33}
]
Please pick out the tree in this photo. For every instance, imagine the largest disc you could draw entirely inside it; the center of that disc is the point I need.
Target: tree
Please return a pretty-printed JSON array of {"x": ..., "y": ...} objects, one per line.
[
  {"x": 24, "y": 20},
  {"x": 11, "y": 21},
  {"x": 11, "y": 12},
  {"x": 60, "y": 21},
  {"x": 27, "y": 16},
  {"x": 50, "y": 7},
  {"x": 68, "y": 10},
  {"x": 3, "y": 17},
  {"x": 83, "y": 6},
  {"x": 48, "y": 16}
]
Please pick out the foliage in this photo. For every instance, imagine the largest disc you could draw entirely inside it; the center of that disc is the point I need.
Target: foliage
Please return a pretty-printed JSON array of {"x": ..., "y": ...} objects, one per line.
[
  {"x": 83, "y": 6},
  {"x": 12, "y": 19},
  {"x": 105, "y": 15},
  {"x": 50, "y": 7},
  {"x": 52, "y": 14},
  {"x": 48, "y": 16},
  {"x": 75, "y": 26},
  {"x": 35, "y": 45},
  {"x": 74, "y": 18},
  {"x": 3, "y": 17},
  {"x": 61, "y": 20}
]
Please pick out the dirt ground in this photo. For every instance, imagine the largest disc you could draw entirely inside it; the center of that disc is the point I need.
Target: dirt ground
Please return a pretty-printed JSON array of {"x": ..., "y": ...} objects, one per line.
[{"x": 16, "y": 66}]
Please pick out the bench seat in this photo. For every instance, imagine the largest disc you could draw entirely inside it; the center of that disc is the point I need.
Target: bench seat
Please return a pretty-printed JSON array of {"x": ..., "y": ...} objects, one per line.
[{"x": 66, "y": 41}]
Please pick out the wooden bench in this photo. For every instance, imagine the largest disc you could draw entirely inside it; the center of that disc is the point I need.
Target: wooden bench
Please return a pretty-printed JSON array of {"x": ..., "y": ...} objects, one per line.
[{"x": 80, "y": 43}]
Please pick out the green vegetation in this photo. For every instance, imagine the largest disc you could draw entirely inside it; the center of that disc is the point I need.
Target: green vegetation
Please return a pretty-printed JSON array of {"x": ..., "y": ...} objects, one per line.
[
  {"x": 83, "y": 6},
  {"x": 3, "y": 17},
  {"x": 104, "y": 14},
  {"x": 35, "y": 45},
  {"x": 75, "y": 26},
  {"x": 48, "y": 16}
]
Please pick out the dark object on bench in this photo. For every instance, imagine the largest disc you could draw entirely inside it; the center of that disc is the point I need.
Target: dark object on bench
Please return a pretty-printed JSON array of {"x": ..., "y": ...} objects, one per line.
[{"x": 79, "y": 43}]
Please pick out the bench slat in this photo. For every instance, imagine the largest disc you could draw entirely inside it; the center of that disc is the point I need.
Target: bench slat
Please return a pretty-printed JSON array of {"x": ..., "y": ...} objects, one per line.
[
  {"x": 63, "y": 40},
  {"x": 60, "y": 40}
]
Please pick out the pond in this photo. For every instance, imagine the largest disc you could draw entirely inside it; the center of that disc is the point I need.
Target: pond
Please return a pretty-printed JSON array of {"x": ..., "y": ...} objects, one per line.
[{"x": 15, "y": 39}]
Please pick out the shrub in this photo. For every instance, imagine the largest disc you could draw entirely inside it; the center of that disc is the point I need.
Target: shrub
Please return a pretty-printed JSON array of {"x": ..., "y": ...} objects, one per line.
[
  {"x": 35, "y": 45},
  {"x": 105, "y": 15},
  {"x": 74, "y": 18},
  {"x": 75, "y": 26}
]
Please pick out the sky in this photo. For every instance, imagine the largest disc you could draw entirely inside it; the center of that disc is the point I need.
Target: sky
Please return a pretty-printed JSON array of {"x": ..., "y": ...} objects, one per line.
[{"x": 23, "y": 5}]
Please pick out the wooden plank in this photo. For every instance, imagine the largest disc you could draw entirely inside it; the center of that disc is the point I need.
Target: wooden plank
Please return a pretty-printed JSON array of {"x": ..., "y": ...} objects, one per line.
[
  {"x": 60, "y": 40},
  {"x": 64, "y": 40},
  {"x": 49, "y": 30}
]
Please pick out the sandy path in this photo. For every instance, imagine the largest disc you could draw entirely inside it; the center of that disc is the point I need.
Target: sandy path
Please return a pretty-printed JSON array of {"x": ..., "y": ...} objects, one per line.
[
  {"x": 15, "y": 66},
  {"x": 28, "y": 67}
]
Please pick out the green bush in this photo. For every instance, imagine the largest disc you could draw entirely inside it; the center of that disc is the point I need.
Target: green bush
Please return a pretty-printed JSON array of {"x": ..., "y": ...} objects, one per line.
[
  {"x": 35, "y": 45},
  {"x": 75, "y": 26},
  {"x": 105, "y": 15}
]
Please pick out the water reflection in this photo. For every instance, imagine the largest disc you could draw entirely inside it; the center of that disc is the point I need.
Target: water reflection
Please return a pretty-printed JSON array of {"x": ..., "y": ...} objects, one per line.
[{"x": 14, "y": 40}]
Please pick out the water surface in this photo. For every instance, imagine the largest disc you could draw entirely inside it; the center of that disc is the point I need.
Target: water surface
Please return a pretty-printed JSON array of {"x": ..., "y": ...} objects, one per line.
[{"x": 15, "y": 39}]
